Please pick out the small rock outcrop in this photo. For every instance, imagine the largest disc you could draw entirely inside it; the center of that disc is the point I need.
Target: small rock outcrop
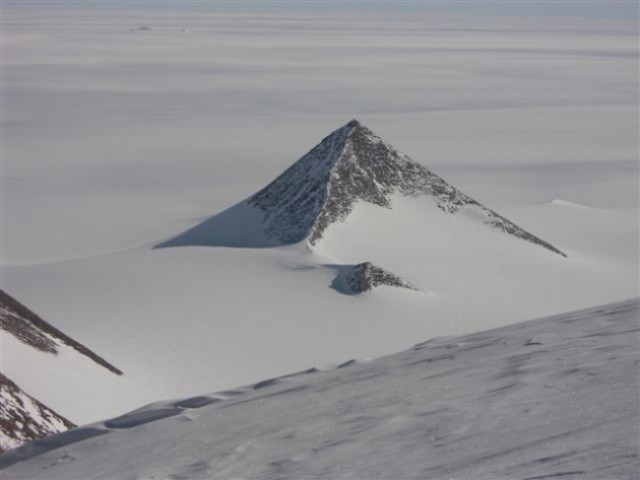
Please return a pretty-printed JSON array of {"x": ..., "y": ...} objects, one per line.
[{"x": 366, "y": 276}]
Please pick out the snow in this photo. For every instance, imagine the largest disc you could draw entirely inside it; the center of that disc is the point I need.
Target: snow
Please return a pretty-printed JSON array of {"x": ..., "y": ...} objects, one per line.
[
  {"x": 239, "y": 226},
  {"x": 557, "y": 202},
  {"x": 229, "y": 313},
  {"x": 452, "y": 257},
  {"x": 76, "y": 385},
  {"x": 555, "y": 397},
  {"x": 115, "y": 142}
]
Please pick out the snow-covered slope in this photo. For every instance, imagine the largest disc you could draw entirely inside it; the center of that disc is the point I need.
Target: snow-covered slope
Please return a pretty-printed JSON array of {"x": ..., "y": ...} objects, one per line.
[
  {"x": 349, "y": 166},
  {"x": 30, "y": 329},
  {"x": 549, "y": 398},
  {"x": 23, "y": 418},
  {"x": 50, "y": 366}
]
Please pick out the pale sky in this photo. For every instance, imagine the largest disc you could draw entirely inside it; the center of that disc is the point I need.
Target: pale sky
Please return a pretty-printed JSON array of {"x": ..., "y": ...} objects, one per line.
[{"x": 609, "y": 9}]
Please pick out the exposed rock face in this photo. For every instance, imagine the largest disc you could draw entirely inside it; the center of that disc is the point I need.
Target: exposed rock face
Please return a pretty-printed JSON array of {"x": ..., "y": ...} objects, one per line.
[
  {"x": 23, "y": 418},
  {"x": 351, "y": 165},
  {"x": 32, "y": 330},
  {"x": 293, "y": 203},
  {"x": 366, "y": 276}
]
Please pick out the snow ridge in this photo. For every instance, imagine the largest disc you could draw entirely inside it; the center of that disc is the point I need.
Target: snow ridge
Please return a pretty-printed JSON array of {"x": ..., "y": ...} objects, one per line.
[
  {"x": 32, "y": 330},
  {"x": 350, "y": 165}
]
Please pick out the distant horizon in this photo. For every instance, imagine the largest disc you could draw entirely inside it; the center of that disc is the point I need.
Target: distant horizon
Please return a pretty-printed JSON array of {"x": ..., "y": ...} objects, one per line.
[{"x": 578, "y": 9}]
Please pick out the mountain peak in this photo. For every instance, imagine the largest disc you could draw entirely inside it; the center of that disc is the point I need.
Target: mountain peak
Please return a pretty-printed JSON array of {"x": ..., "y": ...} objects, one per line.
[
  {"x": 354, "y": 165},
  {"x": 351, "y": 165}
]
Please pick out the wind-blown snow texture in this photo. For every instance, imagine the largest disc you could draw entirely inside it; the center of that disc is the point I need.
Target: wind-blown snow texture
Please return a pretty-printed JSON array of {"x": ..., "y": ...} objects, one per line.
[
  {"x": 549, "y": 398},
  {"x": 354, "y": 165}
]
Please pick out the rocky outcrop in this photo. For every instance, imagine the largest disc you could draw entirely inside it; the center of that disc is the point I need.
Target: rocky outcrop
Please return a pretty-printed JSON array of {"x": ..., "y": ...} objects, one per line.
[
  {"x": 361, "y": 278},
  {"x": 23, "y": 418}
]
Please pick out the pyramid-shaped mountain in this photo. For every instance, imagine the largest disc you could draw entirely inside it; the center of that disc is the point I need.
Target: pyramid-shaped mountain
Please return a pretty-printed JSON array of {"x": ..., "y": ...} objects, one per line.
[{"x": 349, "y": 166}]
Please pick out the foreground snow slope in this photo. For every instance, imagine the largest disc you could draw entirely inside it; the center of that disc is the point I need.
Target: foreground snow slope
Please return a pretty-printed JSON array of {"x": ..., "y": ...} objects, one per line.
[{"x": 548, "y": 398}]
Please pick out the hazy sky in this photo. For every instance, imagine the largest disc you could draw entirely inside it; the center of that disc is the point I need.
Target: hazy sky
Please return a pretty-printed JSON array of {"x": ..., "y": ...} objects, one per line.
[{"x": 621, "y": 9}]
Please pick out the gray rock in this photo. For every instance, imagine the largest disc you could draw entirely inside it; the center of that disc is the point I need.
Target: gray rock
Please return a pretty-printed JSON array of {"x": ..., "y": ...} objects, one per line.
[{"x": 366, "y": 276}]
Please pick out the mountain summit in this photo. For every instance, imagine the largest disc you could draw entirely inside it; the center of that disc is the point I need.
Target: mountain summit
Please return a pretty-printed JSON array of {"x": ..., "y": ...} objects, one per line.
[{"x": 350, "y": 166}]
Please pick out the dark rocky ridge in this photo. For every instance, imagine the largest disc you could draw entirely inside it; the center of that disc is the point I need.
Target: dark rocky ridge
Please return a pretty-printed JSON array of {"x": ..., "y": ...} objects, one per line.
[
  {"x": 366, "y": 276},
  {"x": 23, "y": 418},
  {"x": 32, "y": 330},
  {"x": 353, "y": 164}
]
